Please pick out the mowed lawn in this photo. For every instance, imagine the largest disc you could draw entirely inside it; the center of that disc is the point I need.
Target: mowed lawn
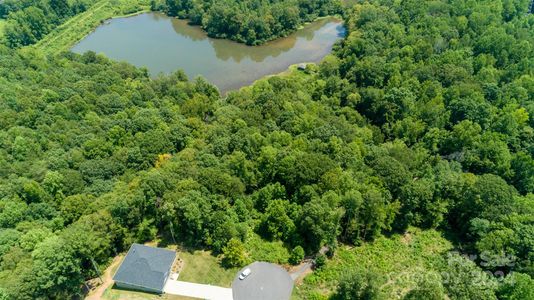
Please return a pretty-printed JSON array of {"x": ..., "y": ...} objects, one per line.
[
  {"x": 202, "y": 267},
  {"x": 199, "y": 267},
  {"x": 114, "y": 293},
  {"x": 118, "y": 294}
]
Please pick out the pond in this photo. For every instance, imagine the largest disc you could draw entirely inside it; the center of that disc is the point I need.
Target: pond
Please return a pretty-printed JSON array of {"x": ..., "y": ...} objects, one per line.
[{"x": 164, "y": 45}]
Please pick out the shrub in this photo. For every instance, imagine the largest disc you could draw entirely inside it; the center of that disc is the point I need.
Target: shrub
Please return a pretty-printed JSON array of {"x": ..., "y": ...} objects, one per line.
[
  {"x": 297, "y": 255},
  {"x": 234, "y": 254},
  {"x": 320, "y": 261}
]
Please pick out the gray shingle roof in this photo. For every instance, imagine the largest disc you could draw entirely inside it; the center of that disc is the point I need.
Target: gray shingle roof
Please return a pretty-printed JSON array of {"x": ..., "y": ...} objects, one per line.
[{"x": 146, "y": 267}]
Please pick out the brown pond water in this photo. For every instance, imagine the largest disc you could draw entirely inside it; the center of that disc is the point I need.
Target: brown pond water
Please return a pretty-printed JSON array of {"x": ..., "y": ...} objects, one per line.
[{"x": 164, "y": 45}]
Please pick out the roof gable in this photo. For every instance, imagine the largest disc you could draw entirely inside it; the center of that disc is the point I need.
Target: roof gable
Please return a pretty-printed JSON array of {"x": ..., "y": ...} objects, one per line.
[{"x": 146, "y": 267}]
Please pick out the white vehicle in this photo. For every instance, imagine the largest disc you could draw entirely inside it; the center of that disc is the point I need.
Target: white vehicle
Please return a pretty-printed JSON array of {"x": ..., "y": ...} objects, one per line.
[{"x": 245, "y": 273}]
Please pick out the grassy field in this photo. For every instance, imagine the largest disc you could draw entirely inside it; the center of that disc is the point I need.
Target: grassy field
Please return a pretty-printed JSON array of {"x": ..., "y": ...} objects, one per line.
[
  {"x": 202, "y": 267},
  {"x": 400, "y": 260},
  {"x": 69, "y": 33},
  {"x": 118, "y": 294},
  {"x": 199, "y": 267},
  {"x": 259, "y": 249},
  {"x": 292, "y": 71}
]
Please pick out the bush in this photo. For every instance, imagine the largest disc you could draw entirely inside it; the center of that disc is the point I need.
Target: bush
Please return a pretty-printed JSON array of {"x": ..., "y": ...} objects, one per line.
[
  {"x": 320, "y": 261},
  {"x": 297, "y": 255},
  {"x": 428, "y": 290},
  {"x": 359, "y": 285},
  {"x": 234, "y": 254}
]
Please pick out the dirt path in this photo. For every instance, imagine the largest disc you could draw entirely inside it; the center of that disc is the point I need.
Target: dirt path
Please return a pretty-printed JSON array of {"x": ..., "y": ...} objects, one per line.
[
  {"x": 108, "y": 281},
  {"x": 305, "y": 267}
]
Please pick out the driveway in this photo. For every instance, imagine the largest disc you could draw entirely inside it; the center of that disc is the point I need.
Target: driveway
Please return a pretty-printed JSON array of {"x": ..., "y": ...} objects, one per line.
[
  {"x": 196, "y": 290},
  {"x": 266, "y": 282},
  {"x": 306, "y": 266}
]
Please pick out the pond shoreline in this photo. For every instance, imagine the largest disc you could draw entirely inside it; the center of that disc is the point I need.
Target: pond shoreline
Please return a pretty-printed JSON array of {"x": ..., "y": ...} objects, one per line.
[
  {"x": 300, "y": 27},
  {"x": 165, "y": 44},
  {"x": 84, "y": 24},
  {"x": 67, "y": 36}
]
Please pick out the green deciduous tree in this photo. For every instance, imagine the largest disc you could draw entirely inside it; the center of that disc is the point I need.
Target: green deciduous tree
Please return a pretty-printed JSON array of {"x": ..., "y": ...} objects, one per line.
[
  {"x": 319, "y": 222},
  {"x": 516, "y": 286},
  {"x": 56, "y": 270},
  {"x": 359, "y": 285},
  {"x": 234, "y": 254},
  {"x": 464, "y": 280},
  {"x": 297, "y": 255}
]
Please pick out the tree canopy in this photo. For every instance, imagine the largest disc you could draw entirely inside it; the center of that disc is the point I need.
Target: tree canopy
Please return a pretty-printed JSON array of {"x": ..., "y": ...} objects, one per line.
[
  {"x": 29, "y": 21},
  {"x": 420, "y": 117},
  {"x": 248, "y": 21}
]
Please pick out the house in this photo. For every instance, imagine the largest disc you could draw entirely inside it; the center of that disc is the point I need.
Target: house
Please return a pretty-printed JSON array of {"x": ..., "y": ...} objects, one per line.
[{"x": 145, "y": 269}]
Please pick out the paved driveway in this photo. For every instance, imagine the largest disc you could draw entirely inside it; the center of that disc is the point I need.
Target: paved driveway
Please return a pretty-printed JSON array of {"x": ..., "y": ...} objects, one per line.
[
  {"x": 195, "y": 290},
  {"x": 266, "y": 282}
]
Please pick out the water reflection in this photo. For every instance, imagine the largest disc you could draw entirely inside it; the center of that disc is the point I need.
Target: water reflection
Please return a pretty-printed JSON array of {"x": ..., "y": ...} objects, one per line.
[
  {"x": 164, "y": 44},
  {"x": 226, "y": 49}
]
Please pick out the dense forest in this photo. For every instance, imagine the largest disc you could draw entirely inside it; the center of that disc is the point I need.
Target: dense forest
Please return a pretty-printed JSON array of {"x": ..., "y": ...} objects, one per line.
[
  {"x": 28, "y": 21},
  {"x": 421, "y": 117},
  {"x": 248, "y": 21}
]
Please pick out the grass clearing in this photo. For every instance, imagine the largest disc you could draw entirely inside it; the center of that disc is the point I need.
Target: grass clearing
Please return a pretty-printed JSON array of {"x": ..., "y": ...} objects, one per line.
[
  {"x": 399, "y": 259},
  {"x": 114, "y": 293},
  {"x": 291, "y": 72},
  {"x": 69, "y": 33},
  {"x": 202, "y": 267},
  {"x": 119, "y": 294},
  {"x": 259, "y": 249},
  {"x": 199, "y": 267}
]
